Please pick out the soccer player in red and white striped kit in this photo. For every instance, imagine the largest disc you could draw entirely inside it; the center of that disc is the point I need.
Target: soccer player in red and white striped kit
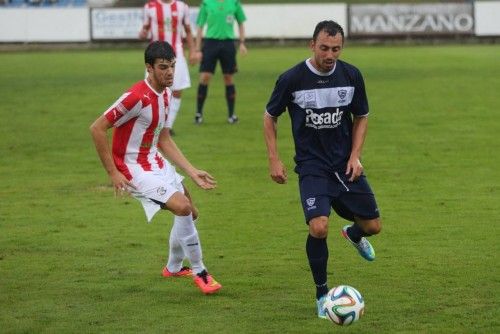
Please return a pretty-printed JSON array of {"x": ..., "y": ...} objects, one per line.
[
  {"x": 134, "y": 162},
  {"x": 168, "y": 21}
]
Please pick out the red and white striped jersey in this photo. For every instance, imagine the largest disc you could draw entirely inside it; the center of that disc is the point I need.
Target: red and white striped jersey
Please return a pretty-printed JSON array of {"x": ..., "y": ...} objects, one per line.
[
  {"x": 166, "y": 20},
  {"x": 138, "y": 117}
]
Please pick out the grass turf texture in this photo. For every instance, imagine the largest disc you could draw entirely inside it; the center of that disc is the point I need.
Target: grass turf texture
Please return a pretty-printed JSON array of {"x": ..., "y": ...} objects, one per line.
[{"x": 73, "y": 258}]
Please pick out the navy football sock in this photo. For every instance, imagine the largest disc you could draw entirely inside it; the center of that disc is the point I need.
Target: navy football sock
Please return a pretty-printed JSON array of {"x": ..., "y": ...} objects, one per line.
[
  {"x": 230, "y": 98},
  {"x": 317, "y": 254},
  {"x": 200, "y": 100},
  {"x": 355, "y": 233}
]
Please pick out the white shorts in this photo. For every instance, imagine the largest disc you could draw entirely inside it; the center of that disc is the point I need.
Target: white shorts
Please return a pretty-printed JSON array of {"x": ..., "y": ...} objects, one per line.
[
  {"x": 155, "y": 187},
  {"x": 181, "y": 74}
]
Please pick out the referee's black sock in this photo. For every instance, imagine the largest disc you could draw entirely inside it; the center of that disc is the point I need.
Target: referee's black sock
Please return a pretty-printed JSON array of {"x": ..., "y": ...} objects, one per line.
[
  {"x": 230, "y": 98},
  {"x": 355, "y": 233},
  {"x": 317, "y": 254},
  {"x": 200, "y": 100}
]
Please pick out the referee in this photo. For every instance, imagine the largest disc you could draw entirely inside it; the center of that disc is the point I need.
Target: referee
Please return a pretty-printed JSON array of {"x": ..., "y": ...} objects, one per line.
[{"x": 219, "y": 45}]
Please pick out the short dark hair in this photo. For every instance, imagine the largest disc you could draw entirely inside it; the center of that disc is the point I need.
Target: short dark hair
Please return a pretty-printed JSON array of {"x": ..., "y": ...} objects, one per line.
[
  {"x": 158, "y": 50},
  {"x": 332, "y": 28}
]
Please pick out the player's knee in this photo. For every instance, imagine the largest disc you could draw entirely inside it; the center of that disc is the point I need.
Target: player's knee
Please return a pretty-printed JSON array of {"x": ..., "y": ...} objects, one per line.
[
  {"x": 185, "y": 209},
  {"x": 374, "y": 227},
  {"x": 228, "y": 79},
  {"x": 181, "y": 208},
  {"x": 205, "y": 78},
  {"x": 318, "y": 227},
  {"x": 194, "y": 212}
]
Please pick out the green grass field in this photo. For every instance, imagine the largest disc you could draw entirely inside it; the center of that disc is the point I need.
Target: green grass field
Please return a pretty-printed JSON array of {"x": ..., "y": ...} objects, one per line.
[{"x": 73, "y": 258}]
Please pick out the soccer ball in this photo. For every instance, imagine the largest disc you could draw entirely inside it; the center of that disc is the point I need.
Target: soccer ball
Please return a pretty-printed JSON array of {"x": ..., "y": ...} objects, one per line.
[{"x": 344, "y": 305}]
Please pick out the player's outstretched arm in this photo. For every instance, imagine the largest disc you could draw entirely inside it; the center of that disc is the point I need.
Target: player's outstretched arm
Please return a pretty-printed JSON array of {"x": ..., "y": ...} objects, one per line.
[
  {"x": 277, "y": 170},
  {"x": 169, "y": 148},
  {"x": 98, "y": 130}
]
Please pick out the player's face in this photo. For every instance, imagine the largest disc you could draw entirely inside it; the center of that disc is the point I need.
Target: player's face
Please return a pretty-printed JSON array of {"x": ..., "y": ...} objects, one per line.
[
  {"x": 162, "y": 73},
  {"x": 326, "y": 49}
]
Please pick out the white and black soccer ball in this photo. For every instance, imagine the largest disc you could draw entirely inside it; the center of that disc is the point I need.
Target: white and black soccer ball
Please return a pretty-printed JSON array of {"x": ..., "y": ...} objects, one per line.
[{"x": 344, "y": 305}]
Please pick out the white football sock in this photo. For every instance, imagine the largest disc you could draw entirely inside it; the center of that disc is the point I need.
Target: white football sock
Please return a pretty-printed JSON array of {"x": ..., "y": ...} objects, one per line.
[
  {"x": 175, "y": 105},
  {"x": 176, "y": 253},
  {"x": 190, "y": 242}
]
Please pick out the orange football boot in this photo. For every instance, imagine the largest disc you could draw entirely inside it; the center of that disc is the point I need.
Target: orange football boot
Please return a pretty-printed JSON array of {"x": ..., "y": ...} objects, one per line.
[{"x": 206, "y": 283}]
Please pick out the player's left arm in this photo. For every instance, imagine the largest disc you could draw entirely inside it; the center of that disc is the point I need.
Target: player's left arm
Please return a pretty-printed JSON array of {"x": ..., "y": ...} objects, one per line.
[
  {"x": 242, "y": 48},
  {"x": 359, "y": 128},
  {"x": 169, "y": 148},
  {"x": 240, "y": 18}
]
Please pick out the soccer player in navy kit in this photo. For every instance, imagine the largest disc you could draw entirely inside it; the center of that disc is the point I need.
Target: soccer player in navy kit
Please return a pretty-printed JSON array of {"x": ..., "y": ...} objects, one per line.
[{"x": 328, "y": 107}]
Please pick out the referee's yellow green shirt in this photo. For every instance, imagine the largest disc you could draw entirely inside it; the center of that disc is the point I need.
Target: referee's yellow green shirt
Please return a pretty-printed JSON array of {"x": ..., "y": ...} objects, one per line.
[{"x": 219, "y": 16}]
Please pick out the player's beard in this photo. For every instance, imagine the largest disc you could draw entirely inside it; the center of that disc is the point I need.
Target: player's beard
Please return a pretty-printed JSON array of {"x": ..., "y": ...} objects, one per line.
[
  {"x": 163, "y": 80},
  {"x": 327, "y": 64}
]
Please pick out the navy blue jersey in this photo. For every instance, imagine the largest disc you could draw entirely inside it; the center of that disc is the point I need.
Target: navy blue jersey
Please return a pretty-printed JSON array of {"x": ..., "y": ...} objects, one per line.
[{"x": 321, "y": 107}]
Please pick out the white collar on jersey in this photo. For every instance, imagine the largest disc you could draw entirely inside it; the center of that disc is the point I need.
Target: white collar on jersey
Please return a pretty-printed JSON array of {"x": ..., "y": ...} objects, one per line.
[
  {"x": 315, "y": 71},
  {"x": 147, "y": 83}
]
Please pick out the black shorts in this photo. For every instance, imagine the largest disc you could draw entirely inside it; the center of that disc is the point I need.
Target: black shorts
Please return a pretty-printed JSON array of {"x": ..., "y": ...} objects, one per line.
[
  {"x": 349, "y": 199},
  {"x": 222, "y": 50}
]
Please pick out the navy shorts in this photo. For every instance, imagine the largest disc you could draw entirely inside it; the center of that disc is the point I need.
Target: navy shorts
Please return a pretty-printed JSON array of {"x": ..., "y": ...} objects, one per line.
[
  {"x": 319, "y": 194},
  {"x": 219, "y": 50}
]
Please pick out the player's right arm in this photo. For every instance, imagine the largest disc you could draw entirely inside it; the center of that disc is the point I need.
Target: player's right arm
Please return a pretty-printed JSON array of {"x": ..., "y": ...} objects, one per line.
[
  {"x": 275, "y": 107},
  {"x": 143, "y": 34},
  {"x": 277, "y": 170},
  {"x": 99, "y": 129}
]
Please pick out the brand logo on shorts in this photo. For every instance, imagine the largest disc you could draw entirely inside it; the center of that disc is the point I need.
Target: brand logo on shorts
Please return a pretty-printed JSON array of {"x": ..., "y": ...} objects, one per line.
[
  {"x": 161, "y": 191},
  {"x": 310, "y": 203}
]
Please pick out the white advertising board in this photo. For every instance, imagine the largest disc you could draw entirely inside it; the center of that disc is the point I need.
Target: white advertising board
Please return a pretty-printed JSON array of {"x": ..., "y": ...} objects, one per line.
[
  {"x": 263, "y": 21},
  {"x": 116, "y": 23},
  {"x": 411, "y": 19},
  {"x": 487, "y": 15},
  {"x": 44, "y": 25},
  {"x": 122, "y": 23},
  {"x": 291, "y": 20}
]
